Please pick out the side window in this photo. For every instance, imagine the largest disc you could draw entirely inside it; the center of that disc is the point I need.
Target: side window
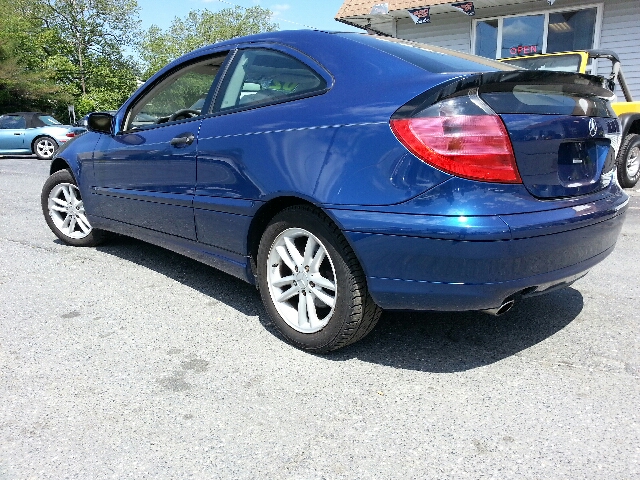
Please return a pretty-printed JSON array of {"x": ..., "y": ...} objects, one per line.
[
  {"x": 180, "y": 96},
  {"x": 12, "y": 121},
  {"x": 261, "y": 76}
]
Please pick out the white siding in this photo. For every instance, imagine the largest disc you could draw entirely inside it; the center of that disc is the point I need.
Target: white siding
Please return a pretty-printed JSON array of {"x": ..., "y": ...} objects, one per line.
[
  {"x": 621, "y": 33},
  {"x": 620, "y": 30},
  {"x": 446, "y": 31}
]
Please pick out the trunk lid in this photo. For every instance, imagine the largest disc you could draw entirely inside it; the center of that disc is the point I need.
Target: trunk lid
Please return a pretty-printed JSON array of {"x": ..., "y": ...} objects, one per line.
[{"x": 563, "y": 130}]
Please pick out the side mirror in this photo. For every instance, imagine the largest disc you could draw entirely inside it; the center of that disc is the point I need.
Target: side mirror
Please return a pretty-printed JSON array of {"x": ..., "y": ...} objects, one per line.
[{"x": 100, "y": 123}]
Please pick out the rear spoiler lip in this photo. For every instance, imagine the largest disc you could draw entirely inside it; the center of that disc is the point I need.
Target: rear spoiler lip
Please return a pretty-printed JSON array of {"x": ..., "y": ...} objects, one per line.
[{"x": 500, "y": 81}]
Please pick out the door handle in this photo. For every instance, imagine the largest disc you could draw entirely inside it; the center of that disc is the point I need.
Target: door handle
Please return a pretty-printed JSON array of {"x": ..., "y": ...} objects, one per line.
[
  {"x": 183, "y": 140},
  {"x": 17, "y": 133}
]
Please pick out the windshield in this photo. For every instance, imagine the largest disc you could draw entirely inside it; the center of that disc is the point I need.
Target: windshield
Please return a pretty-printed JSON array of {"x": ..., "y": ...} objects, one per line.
[
  {"x": 428, "y": 57},
  {"x": 48, "y": 120},
  {"x": 556, "y": 63}
]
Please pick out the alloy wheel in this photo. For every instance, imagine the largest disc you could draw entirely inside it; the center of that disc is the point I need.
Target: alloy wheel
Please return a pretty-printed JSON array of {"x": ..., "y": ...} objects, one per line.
[
  {"x": 45, "y": 148},
  {"x": 302, "y": 280},
  {"x": 66, "y": 209},
  {"x": 633, "y": 162}
]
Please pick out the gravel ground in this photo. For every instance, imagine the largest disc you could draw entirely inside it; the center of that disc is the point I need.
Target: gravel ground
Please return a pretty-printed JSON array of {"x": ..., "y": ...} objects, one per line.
[{"x": 129, "y": 361}]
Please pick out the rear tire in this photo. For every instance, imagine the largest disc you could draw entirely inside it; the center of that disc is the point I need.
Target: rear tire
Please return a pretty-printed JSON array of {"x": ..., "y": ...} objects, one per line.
[
  {"x": 45, "y": 147},
  {"x": 629, "y": 161},
  {"x": 311, "y": 282},
  {"x": 64, "y": 213}
]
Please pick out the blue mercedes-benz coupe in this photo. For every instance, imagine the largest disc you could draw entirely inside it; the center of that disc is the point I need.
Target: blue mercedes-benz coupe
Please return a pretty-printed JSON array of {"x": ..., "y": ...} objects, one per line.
[{"x": 344, "y": 174}]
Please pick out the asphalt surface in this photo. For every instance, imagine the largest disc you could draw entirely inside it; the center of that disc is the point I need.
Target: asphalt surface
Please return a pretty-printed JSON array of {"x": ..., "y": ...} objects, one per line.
[{"x": 129, "y": 361}]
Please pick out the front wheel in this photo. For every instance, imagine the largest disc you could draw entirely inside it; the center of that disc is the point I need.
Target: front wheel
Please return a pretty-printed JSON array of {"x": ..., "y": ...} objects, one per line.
[
  {"x": 311, "y": 282},
  {"x": 629, "y": 161},
  {"x": 45, "y": 147},
  {"x": 64, "y": 213}
]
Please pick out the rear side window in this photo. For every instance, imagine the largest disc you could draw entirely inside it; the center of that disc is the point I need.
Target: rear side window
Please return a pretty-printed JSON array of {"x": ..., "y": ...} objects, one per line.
[
  {"x": 260, "y": 76},
  {"x": 13, "y": 121},
  {"x": 48, "y": 120},
  {"x": 429, "y": 58}
]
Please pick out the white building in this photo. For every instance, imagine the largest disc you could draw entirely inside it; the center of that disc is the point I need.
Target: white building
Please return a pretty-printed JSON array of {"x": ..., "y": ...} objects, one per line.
[{"x": 506, "y": 28}]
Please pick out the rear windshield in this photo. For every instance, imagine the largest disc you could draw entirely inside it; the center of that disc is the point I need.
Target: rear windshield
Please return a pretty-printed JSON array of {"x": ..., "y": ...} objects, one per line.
[
  {"x": 48, "y": 120},
  {"x": 557, "y": 63},
  {"x": 429, "y": 58}
]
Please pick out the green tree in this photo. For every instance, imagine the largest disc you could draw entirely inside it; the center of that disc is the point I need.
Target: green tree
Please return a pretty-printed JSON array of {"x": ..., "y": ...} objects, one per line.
[
  {"x": 79, "y": 46},
  {"x": 22, "y": 87},
  {"x": 197, "y": 29}
]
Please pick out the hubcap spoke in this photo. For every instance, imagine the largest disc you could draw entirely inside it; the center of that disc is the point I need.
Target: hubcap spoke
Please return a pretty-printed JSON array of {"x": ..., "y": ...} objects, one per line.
[
  {"x": 65, "y": 192},
  {"x": 308, "y": 251},
  {"x": 286, "y": 295},
  {"x": 83, "y": 223},
  {"x": 302, "y": 311},
  {"x": 293, "y": 251},
  {"x": 317, "y": 260},
  {"x": 284, "y": 255},
  {"x": 323, "y": 297},
  {"x": 312, "y": 313},
  {"x": 57, "y": 208},
  {"x": 320, "y": 281},
  {"x": 66, "y": 223},
  {"x": 283, "y": 281}
]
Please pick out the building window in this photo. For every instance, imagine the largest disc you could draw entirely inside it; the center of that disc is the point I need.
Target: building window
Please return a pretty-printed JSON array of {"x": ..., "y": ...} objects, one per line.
[
  {"x": 545, "y": 32},
  {"x": 486, "y": 38},
  {"x": 522, "y": 35},
  {"x": 571, "y": 30}
]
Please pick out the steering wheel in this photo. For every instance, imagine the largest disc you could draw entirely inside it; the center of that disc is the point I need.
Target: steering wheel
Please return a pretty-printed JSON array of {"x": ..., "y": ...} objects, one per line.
[{"x": 185, "y": 112}]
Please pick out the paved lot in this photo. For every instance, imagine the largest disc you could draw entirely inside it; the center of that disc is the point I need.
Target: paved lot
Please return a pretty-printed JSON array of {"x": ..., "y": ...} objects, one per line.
[{"x": 129, "y": 361}]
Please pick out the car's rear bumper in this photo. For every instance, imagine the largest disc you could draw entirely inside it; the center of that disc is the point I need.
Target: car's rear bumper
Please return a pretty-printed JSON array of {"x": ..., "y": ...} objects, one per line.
[{"x": 432, "y": 263}]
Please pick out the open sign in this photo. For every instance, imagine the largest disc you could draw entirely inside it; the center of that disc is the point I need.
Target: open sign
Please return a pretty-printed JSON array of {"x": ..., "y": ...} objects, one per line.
[{"x": 523, "y": 49}]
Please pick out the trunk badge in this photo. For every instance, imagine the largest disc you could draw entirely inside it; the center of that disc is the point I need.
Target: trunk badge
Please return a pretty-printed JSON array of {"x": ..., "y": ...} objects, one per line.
[{"x": 593, "y": 127}]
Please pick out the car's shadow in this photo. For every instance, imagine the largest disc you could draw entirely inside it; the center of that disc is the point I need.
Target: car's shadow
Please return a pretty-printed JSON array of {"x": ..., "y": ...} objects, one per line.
[
  {"x": 442, "y": 342},
  {"x": 430, "y": 342}
]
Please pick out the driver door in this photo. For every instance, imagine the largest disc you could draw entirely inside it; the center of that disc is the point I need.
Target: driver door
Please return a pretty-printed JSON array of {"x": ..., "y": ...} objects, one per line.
[
  {"x": 12, "y": 134},
  {"x": 145, "y": 175}
]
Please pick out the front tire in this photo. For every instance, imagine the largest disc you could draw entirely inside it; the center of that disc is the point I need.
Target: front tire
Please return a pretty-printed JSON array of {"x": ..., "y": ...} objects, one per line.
[
  {"x": 311, "y": 282},
  {"x": 629, "y": 161},
  {"x": 45, "y": 147},
  {"x": 64, "y": 213}
]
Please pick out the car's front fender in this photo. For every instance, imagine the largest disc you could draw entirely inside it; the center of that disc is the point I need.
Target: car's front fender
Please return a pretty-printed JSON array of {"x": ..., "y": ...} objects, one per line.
[{"x": 77, "y": 156}]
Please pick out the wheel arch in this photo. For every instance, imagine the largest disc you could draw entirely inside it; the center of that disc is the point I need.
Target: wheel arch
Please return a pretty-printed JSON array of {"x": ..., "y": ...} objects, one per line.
[
  {"x": 60, "y": 164},
  {"x": 269, "y": 210},
  {"x": 630, "y": 123},
  {"x": 38, "y": 137}
]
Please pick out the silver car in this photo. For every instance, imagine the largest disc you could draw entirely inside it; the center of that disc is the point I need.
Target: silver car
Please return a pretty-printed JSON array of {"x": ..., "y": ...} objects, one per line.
[{"x": 24, "y": 133}]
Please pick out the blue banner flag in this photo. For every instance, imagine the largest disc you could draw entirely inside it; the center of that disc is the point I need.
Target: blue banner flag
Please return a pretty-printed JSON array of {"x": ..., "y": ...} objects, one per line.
[
  {"x": 465, "y": 7},
  {"x": 420, "y": 15}
]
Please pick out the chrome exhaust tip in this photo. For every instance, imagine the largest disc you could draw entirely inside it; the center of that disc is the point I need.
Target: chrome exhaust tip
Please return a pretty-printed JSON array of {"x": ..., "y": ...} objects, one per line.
[{"x": 502, "y": 309}]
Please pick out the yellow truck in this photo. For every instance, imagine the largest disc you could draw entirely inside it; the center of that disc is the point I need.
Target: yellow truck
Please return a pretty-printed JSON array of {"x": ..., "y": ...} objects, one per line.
[{"x": 628, "y": 111}]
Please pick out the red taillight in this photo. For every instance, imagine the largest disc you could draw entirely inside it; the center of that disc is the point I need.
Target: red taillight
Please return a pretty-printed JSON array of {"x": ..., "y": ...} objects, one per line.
[
  {"x": 470, "y": 146},
  {"x": 71, "y": 135}
]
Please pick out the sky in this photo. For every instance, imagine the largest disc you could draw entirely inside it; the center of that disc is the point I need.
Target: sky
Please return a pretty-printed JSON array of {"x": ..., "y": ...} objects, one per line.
[{"x": 289, "y": 14}]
